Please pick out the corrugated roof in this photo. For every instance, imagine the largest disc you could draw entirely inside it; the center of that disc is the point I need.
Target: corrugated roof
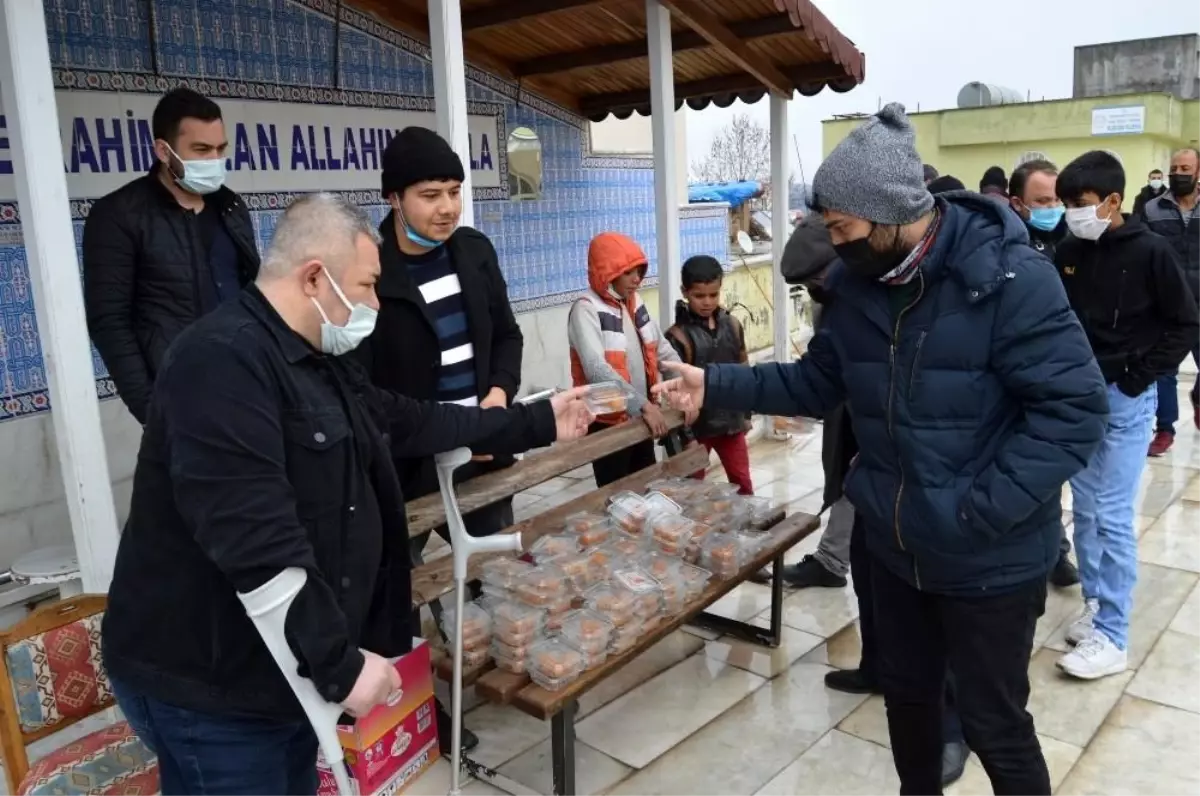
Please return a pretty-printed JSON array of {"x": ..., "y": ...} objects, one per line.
[{"x": 591, "y": 56}]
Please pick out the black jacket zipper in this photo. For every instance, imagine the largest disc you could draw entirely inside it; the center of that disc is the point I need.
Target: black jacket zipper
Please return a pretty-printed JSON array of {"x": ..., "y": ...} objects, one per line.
[{"x": 890, "y": 419}]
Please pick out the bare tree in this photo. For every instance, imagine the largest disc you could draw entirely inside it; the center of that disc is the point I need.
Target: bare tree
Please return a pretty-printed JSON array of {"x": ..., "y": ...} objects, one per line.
[{"x": 741, "y": 150}]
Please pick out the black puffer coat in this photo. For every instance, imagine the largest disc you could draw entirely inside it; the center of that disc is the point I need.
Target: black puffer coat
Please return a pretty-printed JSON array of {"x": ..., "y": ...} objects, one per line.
[
  {"x": 143, "y": 266},
  {"x": 806, "y": 257}
]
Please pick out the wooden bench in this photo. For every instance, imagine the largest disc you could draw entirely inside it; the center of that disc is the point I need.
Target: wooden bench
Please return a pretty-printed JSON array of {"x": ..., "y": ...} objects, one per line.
[{"x": 435, "y": 579}]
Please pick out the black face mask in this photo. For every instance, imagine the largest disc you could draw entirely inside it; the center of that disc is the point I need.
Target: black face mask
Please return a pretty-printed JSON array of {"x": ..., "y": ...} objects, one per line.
[
  {"x": 818, "y": 294},
  {"x": 1182, "y": 184},
  {"x": 860, "y": 258}
]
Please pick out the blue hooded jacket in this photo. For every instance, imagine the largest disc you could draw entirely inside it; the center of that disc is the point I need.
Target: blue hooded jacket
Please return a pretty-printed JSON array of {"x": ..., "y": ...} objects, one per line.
[{"x": 972, "y": 406}]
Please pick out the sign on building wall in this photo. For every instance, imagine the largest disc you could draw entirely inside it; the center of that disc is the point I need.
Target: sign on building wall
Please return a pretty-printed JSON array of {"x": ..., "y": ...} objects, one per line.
[
  {"x": 1123, "y": 120},
  {"x": 273, "y": 146}
]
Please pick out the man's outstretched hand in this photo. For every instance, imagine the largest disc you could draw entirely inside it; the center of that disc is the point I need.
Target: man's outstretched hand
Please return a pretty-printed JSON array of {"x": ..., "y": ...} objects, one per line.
[
  {"x": 685, "y": 392},
  {"x": 571, "y": 415}
]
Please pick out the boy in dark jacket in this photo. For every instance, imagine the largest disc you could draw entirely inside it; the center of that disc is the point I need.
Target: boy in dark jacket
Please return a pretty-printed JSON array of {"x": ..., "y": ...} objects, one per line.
[
  {"x": 975, "y": 397},
  {"x": 1128, "y": 290},
  {"x": 704, "y": 332}
]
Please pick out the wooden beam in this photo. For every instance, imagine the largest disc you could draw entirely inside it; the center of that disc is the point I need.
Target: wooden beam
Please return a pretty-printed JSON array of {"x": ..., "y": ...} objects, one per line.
[
  {"x": 504, "y": 12},
  {"x": 593, "y": 104},
  {"x": 628, "y": 51},
  {"x": 718, "y": 34},
  {"x": 416, "y": 24}
]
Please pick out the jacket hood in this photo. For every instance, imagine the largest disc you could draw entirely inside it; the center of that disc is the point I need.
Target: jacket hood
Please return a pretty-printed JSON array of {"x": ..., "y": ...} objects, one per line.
[
  {"x": 976, "y": 232},
  {"x": 611, "y": 254},
  {"x": 808, "y": 252}
]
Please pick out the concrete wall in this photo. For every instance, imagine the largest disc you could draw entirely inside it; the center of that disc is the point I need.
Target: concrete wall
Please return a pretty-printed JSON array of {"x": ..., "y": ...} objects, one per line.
[
  {"x": 965, "y": 142},
  {"x": 1169, "y": 64}
]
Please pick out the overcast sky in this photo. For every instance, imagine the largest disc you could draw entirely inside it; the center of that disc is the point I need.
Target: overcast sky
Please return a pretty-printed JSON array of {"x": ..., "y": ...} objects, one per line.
[{"x": 921, "y": 52}]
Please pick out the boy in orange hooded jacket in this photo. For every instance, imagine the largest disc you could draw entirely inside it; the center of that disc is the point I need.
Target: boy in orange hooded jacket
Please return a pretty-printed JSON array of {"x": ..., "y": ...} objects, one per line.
[{"x": 613, "y": 338}]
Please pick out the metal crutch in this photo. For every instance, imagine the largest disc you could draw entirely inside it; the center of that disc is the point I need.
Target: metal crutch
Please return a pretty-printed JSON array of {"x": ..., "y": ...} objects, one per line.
[{"x": 462, "y": 547}]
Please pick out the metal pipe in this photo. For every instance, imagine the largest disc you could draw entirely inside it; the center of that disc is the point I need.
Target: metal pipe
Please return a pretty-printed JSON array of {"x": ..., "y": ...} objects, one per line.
[{"x": 6, "y": 577}]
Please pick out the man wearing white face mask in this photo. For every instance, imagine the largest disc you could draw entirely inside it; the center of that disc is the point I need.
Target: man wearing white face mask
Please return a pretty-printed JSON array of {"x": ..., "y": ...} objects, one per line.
[
  {"x": 1128, "y": 290},
  {"x": 266, "y": 450},
  {"x": 165, "y": 249}
]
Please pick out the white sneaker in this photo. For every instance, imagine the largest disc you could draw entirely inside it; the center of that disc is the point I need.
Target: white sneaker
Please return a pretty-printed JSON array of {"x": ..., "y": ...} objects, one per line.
[
  {"x": 1083, "y": 627},
  {"x": 1095, "y": 657}
]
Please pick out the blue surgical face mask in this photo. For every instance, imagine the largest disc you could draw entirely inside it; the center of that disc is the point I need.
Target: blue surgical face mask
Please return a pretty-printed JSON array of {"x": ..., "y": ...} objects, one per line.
[
  {"x": 201, "y": 177},
  {"x": 415, "y": 236},
  {"x": 338, "y": 340},
  {"x": 1045, "y": 218}
]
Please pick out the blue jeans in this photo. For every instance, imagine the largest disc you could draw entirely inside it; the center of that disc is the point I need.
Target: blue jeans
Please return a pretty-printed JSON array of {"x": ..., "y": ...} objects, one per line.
[
  {"x": 1168, "y": 397},
  {"x": 203, "y": 753},
  {"x": 1105, "y": 516}
]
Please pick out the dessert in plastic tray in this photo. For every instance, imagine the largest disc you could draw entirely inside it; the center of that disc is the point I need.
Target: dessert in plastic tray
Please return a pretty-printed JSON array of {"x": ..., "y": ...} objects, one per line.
[
  {"x": 582, "y": 569},
  {"x": 721, "y": 554},
  {"x": 516, "y": 624},
  {"x": 503, "y": 572},
  {"x": 695, "y": 578},
  {"x": 657, "y": 503},
  {"x": 628, "y": 511},
  {"x": 674, "y": 592},
  {"x": 613, "y": 601},
  {"x": 625, "y": 636},
  {"x": 473, "y": 657},
  {"x": 589, "y": 529},
  {"x": 593, "y": 658},
  {"x": 636, "y": 580},
  {"x": 544, "y": 585},
  {"x": 680, "y": 490},
  {"x": 670, "y": 532},
  {"x": 630, "y": 546},
  {"x": 502, "y": 661},
  {"x": 553, "y": 546},
  {"x": 760, "y": 508},
  {"x": 608, "y": 397},
  {"x": 586, "y": 630},
  {"x": 752, "y": 542},
  {"x": 659, "y": 564},
  {"x": 477, "y": 626},
  {"x": 554, "y": 664}
]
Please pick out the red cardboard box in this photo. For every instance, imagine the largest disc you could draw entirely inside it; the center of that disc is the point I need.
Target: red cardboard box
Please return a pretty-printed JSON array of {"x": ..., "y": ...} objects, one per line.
[{"x": 394, "y": 743}]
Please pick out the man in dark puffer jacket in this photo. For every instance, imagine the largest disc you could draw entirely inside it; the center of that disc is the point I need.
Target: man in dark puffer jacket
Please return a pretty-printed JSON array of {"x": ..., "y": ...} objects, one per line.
[
  {"x": 165, "y": 249},
  {"x": 975, "y": 397}
]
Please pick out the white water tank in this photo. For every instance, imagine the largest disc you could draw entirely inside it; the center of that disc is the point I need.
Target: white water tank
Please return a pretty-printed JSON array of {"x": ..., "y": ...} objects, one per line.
[{"x": 980, "y": 95}]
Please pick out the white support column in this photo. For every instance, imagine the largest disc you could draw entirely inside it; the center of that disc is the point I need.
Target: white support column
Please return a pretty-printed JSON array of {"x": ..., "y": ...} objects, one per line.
[
  {"x": 663, "y": 124},
  {"x": 780, "y": 228},
  {"x": 450, "y": 89},
  {"x": 27, "y": 90}
]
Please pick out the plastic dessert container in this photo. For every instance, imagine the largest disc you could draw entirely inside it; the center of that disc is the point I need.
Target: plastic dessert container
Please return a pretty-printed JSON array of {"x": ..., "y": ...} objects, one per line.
[
  {"x": 543, "y": 586},
  {"x": 695, "y": 578},
  {"x": 614, "y": 602},
  {"x": 503, "y": 572},
  {"x": 477, "y": 626},
  {"x": 553, "y": 546},
  {"x": 628, "y": 511},
  {"x": 554, "y": 664},
  {"x": 608, "y": 397},
  {"x": 670, "y": 532},
  {"x": 516, "y": 624},
  {"x": 587, "y": 631}
]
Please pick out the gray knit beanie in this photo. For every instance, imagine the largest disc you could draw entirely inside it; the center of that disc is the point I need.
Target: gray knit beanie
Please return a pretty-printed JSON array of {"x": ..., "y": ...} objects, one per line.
[{"x": 875, "y": 173}]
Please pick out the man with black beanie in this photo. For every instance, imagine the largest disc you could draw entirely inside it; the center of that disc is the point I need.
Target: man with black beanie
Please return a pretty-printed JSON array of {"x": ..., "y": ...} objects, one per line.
[{"x": 446, "y": 330}]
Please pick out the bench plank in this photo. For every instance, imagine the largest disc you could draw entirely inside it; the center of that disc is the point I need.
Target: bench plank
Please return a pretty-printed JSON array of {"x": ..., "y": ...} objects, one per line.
[
  {"x": 499, "y": 686},
  {"x": 436, "y": 579},
  {"x": 542, "y": 704},
  {"x": 427, "y": 512}
]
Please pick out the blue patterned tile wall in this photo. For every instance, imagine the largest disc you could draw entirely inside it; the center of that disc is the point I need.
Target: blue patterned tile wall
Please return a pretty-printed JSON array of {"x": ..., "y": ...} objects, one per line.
[{"x": 235, "y": 44}]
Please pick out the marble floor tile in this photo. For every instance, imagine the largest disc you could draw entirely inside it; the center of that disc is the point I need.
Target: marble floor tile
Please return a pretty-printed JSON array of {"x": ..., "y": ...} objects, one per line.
[
  {"x": 504, "y": 732},
  {"x": 1173, "y": 541},
  {"x": 1143, "y": 747},
  {"x": 783, "y": 492},
  {"x": 763, "y": 661},
  {"x": 744, "y": 602},
  {"x": 837, "y": 764},
  {"x": 595, "y": 772},
  {"x": 1158, "y": 594},
  {"x": 842, "y": 650},
  {"x": 1171, "y": 675},
  {"x": 1191, "y": 492},
  {"x": 781, "y": 720},
  {"x": 810, "y": 503},
  {"x": 662, "y": 656},
  {"x": 1059, "y": 759},
  {"x": 654, "y": 717},
  {"x": 1161, "y": 486},
  {"x": 869, "y": 722},
  {"x": 1067, "y": 709},
  {"x": 435, "y": 781},
  {"x": 1187, "y": 618},
  {"x": 821, "y": 612}
]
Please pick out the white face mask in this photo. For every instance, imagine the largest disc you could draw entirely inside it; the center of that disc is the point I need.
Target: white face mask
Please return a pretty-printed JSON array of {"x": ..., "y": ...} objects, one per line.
[
  {"x": 338, "y": 340},
  {"x": 1156, "y": 184},
  {"x": 1085, "y": 223},
  {"x": 201, "y": 177}
]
